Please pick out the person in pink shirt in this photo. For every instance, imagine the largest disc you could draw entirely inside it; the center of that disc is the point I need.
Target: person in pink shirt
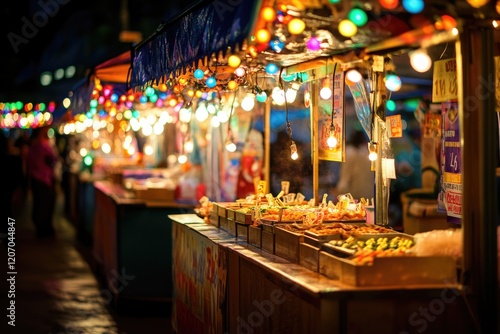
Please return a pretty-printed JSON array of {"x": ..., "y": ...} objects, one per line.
[{"x": 41, "y": 162}]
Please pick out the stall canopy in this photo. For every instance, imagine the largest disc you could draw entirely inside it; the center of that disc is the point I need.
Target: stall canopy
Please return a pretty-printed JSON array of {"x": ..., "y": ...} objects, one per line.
[
  {"x": 205, "y": 29},
  {"x": 114, "y": 71}
]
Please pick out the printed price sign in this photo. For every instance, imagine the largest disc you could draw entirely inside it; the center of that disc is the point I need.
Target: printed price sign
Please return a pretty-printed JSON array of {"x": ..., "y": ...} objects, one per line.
[{"x": 444, "y": 80}]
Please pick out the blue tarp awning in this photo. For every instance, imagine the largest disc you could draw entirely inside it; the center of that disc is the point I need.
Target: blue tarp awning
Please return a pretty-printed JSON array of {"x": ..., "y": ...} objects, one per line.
[{"x": 209, "y": 27}]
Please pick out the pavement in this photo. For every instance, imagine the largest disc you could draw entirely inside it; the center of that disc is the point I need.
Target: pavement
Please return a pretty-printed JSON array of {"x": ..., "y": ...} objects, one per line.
[{"x": 54, "y": 289}]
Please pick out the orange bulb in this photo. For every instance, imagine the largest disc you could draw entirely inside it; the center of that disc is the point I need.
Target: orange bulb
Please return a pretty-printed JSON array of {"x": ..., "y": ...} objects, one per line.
[
  {"x": 449, "y": 22},
  {"x": 296, "y": 26},
  {"x": 172, "y": 102},
  {"x": 389, "y": 4},
  {"x": 497, "y": 6},
  {"x": 234, "y": 61},
  {"x": 268, "y": 14},
  {"x": 263, "y": 36},
  {"x": 477, "y": 3}
]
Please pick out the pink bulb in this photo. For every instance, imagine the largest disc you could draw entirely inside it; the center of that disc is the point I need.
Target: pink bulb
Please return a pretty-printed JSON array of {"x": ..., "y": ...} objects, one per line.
[
  {"x": 101, "y": 100},
  {"x": 313, "y": 44}
]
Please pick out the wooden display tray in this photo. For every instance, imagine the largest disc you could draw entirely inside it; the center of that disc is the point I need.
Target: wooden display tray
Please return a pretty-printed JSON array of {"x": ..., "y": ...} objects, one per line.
[
  {"x": 390, "y": 271},
  {"x": 242, "y": 231},
  {"x": 223, "y": 223},
  {"x": 287, "y": 243},
  {"x": 242, "y": 217},
  {"x": 255, "y": 236},
  {"x": 309, "y": 257},
  {"x": 231, "y": 227},
  {"x": 268, "y": 240}
]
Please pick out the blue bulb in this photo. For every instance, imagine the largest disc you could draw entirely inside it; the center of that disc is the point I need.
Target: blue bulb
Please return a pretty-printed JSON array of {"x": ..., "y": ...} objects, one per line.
[
  {"x": 413, "y": 6},
  {"x": 261, "y": 97},
  {"x": 211, "y": 82},
  {"x": 143, "y": 99},
  {"x": 271, "y": 68},
  {"x": 114, "y": 97},
  {"x": 199, "y": 74}
]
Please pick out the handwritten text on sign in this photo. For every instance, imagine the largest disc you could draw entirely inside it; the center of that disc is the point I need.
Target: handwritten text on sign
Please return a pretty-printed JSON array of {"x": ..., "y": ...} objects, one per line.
[{"x": 444, "y": 80}]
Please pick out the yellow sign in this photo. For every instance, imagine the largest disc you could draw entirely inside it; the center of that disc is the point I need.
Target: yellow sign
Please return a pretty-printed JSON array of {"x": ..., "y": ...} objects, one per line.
[{"x": 444, "y": 81}]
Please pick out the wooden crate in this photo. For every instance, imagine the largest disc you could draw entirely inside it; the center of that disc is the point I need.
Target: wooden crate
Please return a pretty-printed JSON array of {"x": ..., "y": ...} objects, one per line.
[
  {"x": 255, "y": 236},
  {"x": 309, "y": 257},
  {"x": 223, "y": 223},
  {"x": 394, "y": 271},
  {"x": 287, "y": 243}
]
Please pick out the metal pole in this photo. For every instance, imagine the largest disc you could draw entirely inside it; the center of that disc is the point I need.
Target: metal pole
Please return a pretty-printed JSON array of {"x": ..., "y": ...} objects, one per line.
[
  {"x": 314, "y": 140},
  {"x": 267, "y": 143},
  {"x": 476, "y": 84}
]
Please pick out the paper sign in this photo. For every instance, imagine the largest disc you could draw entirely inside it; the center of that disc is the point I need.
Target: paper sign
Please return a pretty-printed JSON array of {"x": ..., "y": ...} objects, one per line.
[
  {"x": 395, "y": 126},
  {"x": 444, "y": 80},
  {"x": 378, "y": 63},
  {"x": 388, "y": 169},
  {"x": 285, "y": 187},
  {"x": 261, "y": 187},
  {"x": 300, "y": 198}
]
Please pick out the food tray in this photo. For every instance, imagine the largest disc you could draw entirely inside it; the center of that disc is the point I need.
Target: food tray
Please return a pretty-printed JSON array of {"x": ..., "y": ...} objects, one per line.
[
  {"x": 390, "y": 271},
  {"x": 214, "y": 218},
  {"x": 255, "y": 236},
  {"x": 309, "y": 257},
  {"x": 242, "y": 217},
  {"x": 287, "y": 243}
]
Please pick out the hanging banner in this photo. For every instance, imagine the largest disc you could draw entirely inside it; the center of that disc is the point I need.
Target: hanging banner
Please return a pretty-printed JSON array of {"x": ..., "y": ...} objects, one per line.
[
  {"x": 444, "y": 80},
  {"x": 395, "y": 126},
  {"x": 450, "y": 196},
  {"x": 327, "y": 150}
]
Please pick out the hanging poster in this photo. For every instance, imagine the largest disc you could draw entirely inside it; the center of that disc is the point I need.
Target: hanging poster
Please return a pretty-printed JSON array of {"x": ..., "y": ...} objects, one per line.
[
  {"x": 331, "y": 126},
  {"x": 451, "y": 163},
  {"x": 444, "y": 80},
  {"x": 395, "y": 126}
]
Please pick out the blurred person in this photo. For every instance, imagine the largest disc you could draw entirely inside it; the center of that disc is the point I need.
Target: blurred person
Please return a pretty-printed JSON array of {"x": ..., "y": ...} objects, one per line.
[
  {"x": 42, "y": 160},
  {"x": 13, "y": 175},
  {"x": 356, "y": 176}
]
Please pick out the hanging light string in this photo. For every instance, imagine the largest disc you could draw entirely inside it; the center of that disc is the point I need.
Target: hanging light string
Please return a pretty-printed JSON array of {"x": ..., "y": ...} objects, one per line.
[
  {"x": 333, "y": 95},
  {"x": 293, "y": 148}
]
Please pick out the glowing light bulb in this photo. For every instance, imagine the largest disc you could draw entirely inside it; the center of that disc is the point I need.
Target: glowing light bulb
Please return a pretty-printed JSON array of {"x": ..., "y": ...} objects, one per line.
[
  {"x": 313, "y": 44},
  {"x": 272, "y": 68},
  {"x": 240, "y": 71},
  {"x": 230, "y": 146},
  {"x": 268, "y": 14},
  {"x": 296, "y": 26},
  {"x": 188, "y": 146},
  {"x": 278, "y": 96},
  {"x": 234, "y": 61},
  {"x": 332, "y": 142},
  {"x": 148, "y": 150},
  {"x": 420, "y": 61},
  {"x": 199, "y": 74},
  {"x": 393, "y": 82},
  {"x": 389, "y": 4},
  {"x": 372, "y": 148},
  {"x": 261, "y": 97},
  {"x": 232, "y": 85},
  {"x": 293, "y": 150},
  {"x": 277, "y": 44},
  {"x": 325, "y": 93},
  {"x": 477, "y": 3},
  {"x": 248, "y": 102},
  {"x": 353, "y": 75},
  {"x": 413, "y": 6},
  {"x": 347, "y": 28},
  {"x": 182, "y": 159},
  {"x": 263, "y": 36},
  {"x": 211, "y": 82},
  {"x": 358, "y": 16}
]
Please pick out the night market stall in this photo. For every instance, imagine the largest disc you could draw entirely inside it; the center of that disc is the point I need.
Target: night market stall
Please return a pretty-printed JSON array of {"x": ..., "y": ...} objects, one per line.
[{"x": 270, "y": 262}]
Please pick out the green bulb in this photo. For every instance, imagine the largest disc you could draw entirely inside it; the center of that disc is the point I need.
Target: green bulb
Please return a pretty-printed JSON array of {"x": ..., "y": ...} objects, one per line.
[
  {"x": 390, "y": 105},
  {"x": 358, "y": 17},
  {"x": 334, "y": 1}
]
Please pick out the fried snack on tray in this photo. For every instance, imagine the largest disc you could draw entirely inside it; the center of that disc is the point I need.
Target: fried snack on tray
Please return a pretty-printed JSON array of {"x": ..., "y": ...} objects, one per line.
[{"x": 344, "y": 229}]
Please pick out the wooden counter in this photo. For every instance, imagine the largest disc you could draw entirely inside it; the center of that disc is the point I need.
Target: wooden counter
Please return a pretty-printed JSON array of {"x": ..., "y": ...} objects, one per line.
[
  {"x": 225, "y": 285},
  {"x": 132, "y": 244}
]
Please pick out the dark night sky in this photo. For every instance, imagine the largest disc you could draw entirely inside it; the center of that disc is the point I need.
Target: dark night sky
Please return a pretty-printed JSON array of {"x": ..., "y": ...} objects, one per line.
[{"x": 44, "y": 35}]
